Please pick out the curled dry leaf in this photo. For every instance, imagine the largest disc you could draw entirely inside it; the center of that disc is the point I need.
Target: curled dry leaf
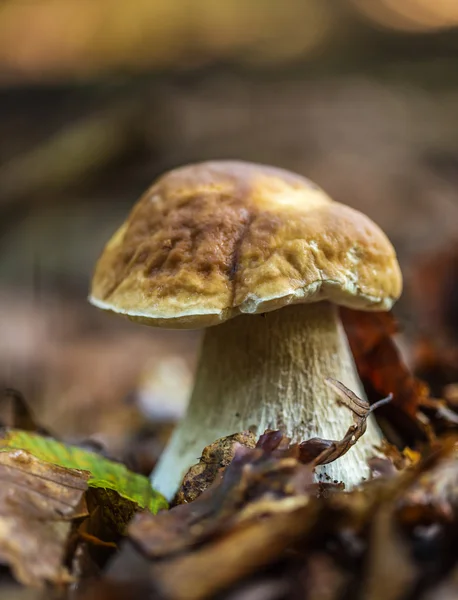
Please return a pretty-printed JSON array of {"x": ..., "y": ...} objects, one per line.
[
  {"x": 317, "y": 451},
  {"x": 38, "y": 503},
  {"x": 214, "y": 457}
]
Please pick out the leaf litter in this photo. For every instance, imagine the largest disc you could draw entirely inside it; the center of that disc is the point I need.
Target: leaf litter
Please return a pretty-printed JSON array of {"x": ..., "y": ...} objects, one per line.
[
  {"x": 260, "y": 527},
  {"x": 251, "y": 523},
  {"x": 264, "y": 524},
  {"x": 58, "y": 502},
  {"x": 39, "y": 503}
]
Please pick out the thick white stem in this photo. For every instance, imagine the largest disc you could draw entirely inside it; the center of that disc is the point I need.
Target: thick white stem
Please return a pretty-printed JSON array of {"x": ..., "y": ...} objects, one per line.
[{"x": 267, "y": 372}]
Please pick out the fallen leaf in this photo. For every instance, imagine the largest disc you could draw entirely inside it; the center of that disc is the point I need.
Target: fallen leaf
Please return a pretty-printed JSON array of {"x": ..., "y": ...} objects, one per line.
[
  {"x": 214, "y": 457},
  {"x": 379, "y": 361},
  {"x": 38, "y": 504},
  {"x": 104, "y": 474},
  {"x": 47, "y": 515},
  {"x": 383, "y": 372},
  {"x": 317, "y": 451}
]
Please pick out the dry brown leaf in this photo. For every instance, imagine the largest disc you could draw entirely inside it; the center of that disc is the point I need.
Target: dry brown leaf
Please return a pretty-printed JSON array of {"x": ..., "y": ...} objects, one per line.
[
  {"x": 214, "y": 457},
  {"x": 318, "y": 451},
  {"x": 379, "y": 361},
  {"x": 38, "y": 502}
]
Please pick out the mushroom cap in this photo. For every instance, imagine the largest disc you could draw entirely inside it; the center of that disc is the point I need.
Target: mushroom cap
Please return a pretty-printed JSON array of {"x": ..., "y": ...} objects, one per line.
[{"x": 210, "y": 241}]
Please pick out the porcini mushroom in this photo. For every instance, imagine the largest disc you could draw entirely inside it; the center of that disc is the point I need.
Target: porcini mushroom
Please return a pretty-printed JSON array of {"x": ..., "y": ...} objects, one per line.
[{"x": 217, "y": 240}]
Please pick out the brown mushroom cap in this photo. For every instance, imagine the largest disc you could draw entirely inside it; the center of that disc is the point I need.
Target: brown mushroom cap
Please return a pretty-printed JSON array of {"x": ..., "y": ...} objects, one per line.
[{"x": 210, "y": 241}]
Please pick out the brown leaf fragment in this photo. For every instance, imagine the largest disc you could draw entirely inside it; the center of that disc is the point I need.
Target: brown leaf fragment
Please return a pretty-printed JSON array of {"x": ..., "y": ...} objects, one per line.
[
  {"x": 434, "y": 493},
  {"x": 379, "y": 361},
  {"x": 272, "y": 441},
  {"x": 255, "y": 483},
  {"x": 395, "y": 460},
  {"x": 38, "y": 502},
  {"x": 317, "y": 451},
  {"x": 214, "y": 457}
]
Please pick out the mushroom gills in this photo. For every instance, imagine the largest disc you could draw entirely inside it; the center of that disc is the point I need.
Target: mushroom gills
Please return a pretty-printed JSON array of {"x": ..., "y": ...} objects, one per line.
[{"x": 268, "y": 371}]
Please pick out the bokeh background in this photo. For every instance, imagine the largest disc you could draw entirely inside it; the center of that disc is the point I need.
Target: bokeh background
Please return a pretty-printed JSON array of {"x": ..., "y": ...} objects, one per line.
[{"x": 97, "y": 97}]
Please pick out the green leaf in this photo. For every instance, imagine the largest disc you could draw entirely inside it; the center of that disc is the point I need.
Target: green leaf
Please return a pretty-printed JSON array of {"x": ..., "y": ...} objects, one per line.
[{"x": 105, "y": 474}]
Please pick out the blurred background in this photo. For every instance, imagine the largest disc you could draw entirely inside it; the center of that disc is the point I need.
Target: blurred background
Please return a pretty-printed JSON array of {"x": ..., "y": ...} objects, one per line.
[{"x": 98, "y": 97}]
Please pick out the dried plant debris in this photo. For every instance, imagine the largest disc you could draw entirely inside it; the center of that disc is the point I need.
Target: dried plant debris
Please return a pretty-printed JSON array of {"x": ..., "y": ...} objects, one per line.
[
  {"x": 231, "y": 519},
  {"x": 321, "y": 452},
  {"x": 262, "y": 530},
  {"x": 39, "y": 503},
  {"x": 214, "y": 457},
  {"x": 250, "y": 522},
  {"x": 378, "y": 360},
  {"x": 58, "y": 522},
  {"x": 413, "y": 417},
  {"x": 257, "y": 481},
  {"x": 105, "y": 474}
]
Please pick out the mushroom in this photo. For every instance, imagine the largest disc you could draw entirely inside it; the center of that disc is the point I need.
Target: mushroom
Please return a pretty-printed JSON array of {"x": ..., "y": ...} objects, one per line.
[{"x": 223, "y": 239}]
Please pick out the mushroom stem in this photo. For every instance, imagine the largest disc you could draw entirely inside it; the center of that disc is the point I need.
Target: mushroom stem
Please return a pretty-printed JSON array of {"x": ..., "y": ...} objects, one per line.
[{"x": 268, "y": 371}]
